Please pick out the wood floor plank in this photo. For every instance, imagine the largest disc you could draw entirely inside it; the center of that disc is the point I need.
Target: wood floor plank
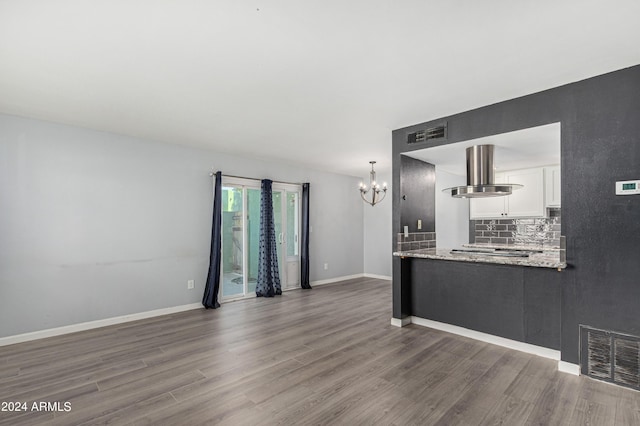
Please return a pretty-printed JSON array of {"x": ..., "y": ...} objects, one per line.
[
  {"x": 592, "y": 413},
  {"x": 437, "y": 400},
  {"x": 556, "y": 403},
  {"x": 108, "y": 402},
  {"x": 134, "y": 411},
  {"x": 476, "y": 401},
  {"x": 336, "y": 408},
  {"x": 628, "y": 408},
  {"x": 325, "y": 356},
  {"x": 508, "y": 410}
]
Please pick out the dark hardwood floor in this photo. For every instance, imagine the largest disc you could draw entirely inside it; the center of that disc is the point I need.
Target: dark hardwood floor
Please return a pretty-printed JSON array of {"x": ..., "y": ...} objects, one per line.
[{"x": 325, "y": 356}]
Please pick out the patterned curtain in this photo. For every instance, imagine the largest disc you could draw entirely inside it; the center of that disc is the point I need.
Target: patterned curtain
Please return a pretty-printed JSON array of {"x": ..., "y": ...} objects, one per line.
[
  {"x": 210, "y": 298},
  {"x": 304, "y": 240},
  {"x": 268, "y": 284}
]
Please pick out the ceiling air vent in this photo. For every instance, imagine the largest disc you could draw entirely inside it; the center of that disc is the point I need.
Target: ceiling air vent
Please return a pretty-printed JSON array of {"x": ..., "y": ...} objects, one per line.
[
  {"x": 439, "y": 132},
  {"x": 610, "y": 356}
]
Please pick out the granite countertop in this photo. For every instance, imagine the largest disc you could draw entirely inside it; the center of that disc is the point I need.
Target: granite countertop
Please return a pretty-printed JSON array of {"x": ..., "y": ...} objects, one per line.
[{"x": 537, "y": 260}]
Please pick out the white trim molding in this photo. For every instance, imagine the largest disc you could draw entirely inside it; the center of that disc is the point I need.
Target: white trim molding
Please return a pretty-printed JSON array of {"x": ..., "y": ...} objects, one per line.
[
  {"x": 489, "y": 338},
  {"x": 378, "y": 277},
  {"x": 336, "y": 279},
  {"x": 73, "y": 328},
  {"x": 350, "y": 277},
  {"x": 400, "y": 322},
  {"x": 567, "y": 367}
]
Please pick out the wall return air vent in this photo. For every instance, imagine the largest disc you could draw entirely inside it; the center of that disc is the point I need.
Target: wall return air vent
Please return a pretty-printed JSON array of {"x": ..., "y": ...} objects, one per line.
[
  {"x": 438, "y": 133},
  {"x": 610, "y": 356}
]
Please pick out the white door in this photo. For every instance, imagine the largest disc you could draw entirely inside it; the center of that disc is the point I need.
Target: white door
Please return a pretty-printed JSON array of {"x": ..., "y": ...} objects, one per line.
[{"x": 286, "y": 217}]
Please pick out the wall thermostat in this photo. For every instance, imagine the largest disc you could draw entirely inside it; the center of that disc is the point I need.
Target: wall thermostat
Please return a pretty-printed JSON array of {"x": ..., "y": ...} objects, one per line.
[{"x": 627, "y": 187}]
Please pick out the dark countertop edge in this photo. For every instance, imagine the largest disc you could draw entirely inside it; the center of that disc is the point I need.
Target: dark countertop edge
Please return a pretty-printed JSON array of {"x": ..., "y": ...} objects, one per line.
[{"x": 487, "y": 260}]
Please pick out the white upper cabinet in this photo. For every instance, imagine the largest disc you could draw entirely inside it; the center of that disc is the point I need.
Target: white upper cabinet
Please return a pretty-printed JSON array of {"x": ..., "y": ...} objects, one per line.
[
  {"x": 552, "y": 186},
  {"x": 489, "y": 207},
  {"x": 527, "y": 201}
]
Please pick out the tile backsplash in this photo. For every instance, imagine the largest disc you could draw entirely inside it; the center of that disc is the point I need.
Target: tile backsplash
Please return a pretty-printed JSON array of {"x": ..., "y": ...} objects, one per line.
[
  {"x": 522, "y": 231},
  {"x": 416, "y": 241}
]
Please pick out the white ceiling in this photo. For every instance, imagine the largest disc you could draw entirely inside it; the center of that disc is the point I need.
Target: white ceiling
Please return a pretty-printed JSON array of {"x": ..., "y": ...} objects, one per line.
[
  {"x": 533, "y": 147},
  {"x": 322, "y": 83}
]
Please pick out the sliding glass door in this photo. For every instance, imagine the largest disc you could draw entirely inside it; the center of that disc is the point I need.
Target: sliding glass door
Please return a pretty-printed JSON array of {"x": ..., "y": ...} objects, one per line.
[
  {"x": 286, "y": 212},
  {"x": 241, "y": 235},
  {"x": 233, "y": 236}
]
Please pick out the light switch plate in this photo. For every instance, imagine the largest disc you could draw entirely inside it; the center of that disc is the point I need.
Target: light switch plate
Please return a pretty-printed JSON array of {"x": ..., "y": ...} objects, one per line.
[{"x": 419, "y": 223}]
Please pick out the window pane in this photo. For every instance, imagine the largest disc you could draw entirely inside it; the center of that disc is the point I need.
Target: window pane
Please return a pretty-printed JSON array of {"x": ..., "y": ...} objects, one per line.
[
  {"x": 232, "y": 256},
  {"x": 277, "y": 224},
  {"x": 253, "y": 236},
  {"x": 292, "y": 223}
]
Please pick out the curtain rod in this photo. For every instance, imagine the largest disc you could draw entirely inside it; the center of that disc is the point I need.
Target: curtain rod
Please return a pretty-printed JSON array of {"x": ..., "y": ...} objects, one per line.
[{"x": 212, "y": 174}]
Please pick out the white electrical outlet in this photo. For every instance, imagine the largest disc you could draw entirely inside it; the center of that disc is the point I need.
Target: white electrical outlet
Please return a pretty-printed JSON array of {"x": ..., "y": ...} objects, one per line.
[
  {"x": 326, "y": 266},
  {"x": 191, "y": 284}
]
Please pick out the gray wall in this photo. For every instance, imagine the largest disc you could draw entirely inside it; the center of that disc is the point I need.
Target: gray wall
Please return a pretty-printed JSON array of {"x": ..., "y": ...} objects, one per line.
[
  {"x": 96, "y": 225},
  {"x": 377, "y": 230},
  {"x": 600, "y": 144}
]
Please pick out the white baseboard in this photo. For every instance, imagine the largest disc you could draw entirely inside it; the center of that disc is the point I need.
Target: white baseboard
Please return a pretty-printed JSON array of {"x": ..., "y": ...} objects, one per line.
[
  {"x": 350, "y": 277},
  {"x": 567, "y": 367},
  {"x": 51, "y": 332},
  {"x": 378, "y": 277},
  {"x": 397, "y": 322},
  {"x": 489, "y": 338},
  {"x": 336, "y": 279}
]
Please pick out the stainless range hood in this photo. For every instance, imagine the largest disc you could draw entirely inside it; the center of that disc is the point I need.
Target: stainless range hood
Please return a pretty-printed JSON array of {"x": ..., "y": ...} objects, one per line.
[{"x": 481, "y": 176}]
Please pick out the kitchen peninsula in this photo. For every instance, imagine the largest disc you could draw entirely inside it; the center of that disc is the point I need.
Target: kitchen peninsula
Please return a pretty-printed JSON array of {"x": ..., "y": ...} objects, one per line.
[
  {"x": 511, "y": 294},
  {"x": 527, "y": 300},
  {"x": 490, "y": 285}
]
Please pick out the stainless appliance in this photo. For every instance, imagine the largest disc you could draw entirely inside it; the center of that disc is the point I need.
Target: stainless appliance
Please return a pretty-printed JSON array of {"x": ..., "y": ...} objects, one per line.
[{"x": 481, "y": 176}]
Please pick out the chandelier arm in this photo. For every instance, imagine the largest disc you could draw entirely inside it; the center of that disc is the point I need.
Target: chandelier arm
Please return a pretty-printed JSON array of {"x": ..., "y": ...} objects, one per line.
[
  {"x": 384, "y": 194},
  {"x": 362, "y": 193}
]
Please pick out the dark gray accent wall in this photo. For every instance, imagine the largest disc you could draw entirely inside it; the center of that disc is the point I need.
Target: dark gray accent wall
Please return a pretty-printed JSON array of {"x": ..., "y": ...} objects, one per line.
[
  {"x": 417, "y": 194},
  {"x": 600, "y": 143},
  {"x": 518, "y": 303},
  {"x": 417, "y": 198}
]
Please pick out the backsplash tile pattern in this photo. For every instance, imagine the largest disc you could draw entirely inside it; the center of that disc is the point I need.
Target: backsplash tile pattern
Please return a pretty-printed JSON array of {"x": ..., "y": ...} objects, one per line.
[
  {"x": 416, "y": 241},
  {"x": 524, "y": 231}
]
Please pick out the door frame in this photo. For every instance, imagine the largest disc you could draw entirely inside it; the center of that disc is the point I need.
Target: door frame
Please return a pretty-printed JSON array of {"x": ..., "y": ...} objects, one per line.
[
  {"x": 245, "y": 184},
  {"x": 282, "y": 238}
]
